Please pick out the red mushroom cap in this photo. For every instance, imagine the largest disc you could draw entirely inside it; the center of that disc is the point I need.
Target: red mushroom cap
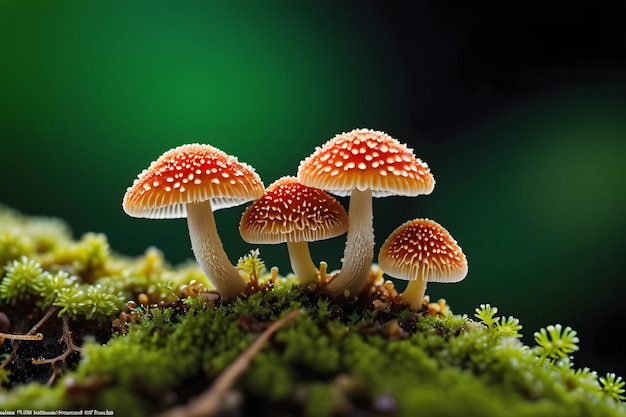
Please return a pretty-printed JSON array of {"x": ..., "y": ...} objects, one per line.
[
  {"x": 365, "y": 158},
  {"x": 422, "y": 249},
  {"x": 292, "y": 212},
  {"x": 188, "y": 174}
]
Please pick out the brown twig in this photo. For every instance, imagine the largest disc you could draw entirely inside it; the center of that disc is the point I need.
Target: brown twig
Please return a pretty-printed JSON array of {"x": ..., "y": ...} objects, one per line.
[
  {"x": 33, "y": 331},
  {"x": 70, "y": 347},
  {"x": 51, "y": 311},
  {"x": 208, "y": 402},
  {"x": 11, "y": 336}
]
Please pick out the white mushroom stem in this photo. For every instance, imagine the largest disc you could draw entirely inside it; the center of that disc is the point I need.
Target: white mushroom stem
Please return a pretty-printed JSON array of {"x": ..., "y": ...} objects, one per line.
[
  {"x": 209, "y": 251},
  {"x": 359, "y": 252},
  {"x": 414, "y": 293},
  {"x": 301, "y": 262}
]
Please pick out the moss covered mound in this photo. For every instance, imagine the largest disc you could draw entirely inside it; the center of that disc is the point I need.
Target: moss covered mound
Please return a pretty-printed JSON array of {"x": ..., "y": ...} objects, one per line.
[{"x": 138, "y": 337}]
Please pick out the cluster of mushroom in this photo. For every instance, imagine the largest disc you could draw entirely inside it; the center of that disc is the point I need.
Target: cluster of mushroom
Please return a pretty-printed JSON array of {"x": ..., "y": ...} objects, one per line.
[{"x": 194, "y": 180}]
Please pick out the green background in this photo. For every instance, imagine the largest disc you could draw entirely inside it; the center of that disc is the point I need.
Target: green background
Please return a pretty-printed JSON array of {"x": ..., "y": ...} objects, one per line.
[{"x": 523, "y": 126}]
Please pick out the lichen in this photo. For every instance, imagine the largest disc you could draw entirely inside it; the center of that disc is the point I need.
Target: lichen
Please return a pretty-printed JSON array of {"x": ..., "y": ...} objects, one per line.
[{"x": 150, "y": 337}]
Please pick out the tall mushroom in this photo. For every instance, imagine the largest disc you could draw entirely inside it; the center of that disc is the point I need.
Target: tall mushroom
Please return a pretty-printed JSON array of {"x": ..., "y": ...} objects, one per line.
[
  {"x": 294, "y": 213},
  {"x": 422, "y": 251},
  {"x": 192, "y": 181},
  {"x": 363, "y": 163}
]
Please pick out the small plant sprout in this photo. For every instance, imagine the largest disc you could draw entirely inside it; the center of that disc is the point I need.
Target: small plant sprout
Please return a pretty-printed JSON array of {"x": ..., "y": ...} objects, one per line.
[
  {"x": 294, "y": 213},
  {"x": 508, "y": 326},
  {"x": 192, "y": 181},
  {"x": 613, "y": 386},
  {"x": 422, "y": 251},
  {"x": 363, "y": 164},
  {"x": 555, "y": 342},
  {"x": 487, "y": 315},
  {"x": 252, "y": 266}
]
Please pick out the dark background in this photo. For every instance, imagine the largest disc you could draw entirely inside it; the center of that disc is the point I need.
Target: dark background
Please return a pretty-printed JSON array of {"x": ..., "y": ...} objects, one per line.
[{"x": 519, "y": 111}]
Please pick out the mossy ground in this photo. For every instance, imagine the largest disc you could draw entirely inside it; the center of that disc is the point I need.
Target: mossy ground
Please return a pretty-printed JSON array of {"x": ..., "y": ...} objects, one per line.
[{"x": 339, "y": 357}]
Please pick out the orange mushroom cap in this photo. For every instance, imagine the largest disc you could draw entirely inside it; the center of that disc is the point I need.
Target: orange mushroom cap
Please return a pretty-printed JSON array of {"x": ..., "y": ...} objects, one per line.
[
  {"x": 422, "y": 249},
  {"x": 365, "y": 158},
  {"x": 292, "y": 212},
  {"x": 187, "y": 174}
]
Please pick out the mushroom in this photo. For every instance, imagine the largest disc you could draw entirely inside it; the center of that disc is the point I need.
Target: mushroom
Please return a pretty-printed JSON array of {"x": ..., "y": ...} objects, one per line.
[
  {"x": 422, "y": 251},
  {"x": 294, "y": 213},
  {"x": 363, "y": 163},
  {"x": 192, "y": 181}
]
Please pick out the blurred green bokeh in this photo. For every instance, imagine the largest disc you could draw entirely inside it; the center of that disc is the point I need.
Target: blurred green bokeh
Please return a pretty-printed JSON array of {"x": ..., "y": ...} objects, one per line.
[{"x": 91, "y": 93}]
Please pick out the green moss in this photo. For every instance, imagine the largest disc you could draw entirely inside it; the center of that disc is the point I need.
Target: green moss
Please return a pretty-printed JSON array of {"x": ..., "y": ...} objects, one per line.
[
  {"x": 337, "y": 358},
  {"x": 23, "y": 235},
  {"x": 21, "y": 280},
  {"x": 319, "y": 400},
  {"x": 35, "y": 397}
]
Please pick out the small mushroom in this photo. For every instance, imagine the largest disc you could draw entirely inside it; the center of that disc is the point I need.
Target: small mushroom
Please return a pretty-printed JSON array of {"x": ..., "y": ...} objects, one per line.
[
  {"x": 294, "y": 213},
  {"x": 422, "y": 251},
  {"x": 363, "y": 163},
  {"x": 192, "y": 181}
]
